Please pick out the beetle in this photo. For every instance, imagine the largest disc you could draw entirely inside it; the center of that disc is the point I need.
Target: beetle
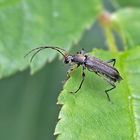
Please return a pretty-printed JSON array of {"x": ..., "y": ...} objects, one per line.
[{"x": 93, "y": 64}]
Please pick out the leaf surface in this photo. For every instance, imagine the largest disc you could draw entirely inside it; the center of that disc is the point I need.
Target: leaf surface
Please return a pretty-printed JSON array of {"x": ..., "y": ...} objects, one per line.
[
  {"x": 126, "y": 21},
  {"x": 127, "y": 3},
  {"x": 89, "y": 115},
  {"x": 28, "y": 24}
]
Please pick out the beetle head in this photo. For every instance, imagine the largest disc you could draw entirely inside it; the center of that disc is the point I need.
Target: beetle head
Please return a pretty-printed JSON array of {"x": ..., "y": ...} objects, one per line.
[{"x": 68, "y": 59}]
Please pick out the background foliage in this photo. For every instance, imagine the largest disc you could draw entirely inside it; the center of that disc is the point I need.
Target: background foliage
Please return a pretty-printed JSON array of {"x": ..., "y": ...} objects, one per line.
[{"x": 28, "y": 103}]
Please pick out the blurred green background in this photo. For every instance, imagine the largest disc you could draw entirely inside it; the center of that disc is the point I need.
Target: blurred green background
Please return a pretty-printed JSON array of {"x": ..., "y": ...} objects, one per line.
[
  {"x": 28, "y": 109},
  {"x": 28, "y": 102}
]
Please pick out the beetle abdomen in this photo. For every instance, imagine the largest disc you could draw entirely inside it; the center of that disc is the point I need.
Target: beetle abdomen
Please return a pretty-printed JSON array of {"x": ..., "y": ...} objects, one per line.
[{"x": 103, "y": 68}]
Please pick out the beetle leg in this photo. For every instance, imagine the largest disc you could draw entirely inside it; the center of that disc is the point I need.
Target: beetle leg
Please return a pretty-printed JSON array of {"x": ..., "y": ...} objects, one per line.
[
  {"x": 106, "y": 91},
  {"x": 110, "y": 82},
  {"x": 83, "y": 78},
  {"x": 72, "y": 68},
  {"x": 113, "y": 86},
  {"x": 82, "y": 51},
  {"x": 112, "y": 60}
]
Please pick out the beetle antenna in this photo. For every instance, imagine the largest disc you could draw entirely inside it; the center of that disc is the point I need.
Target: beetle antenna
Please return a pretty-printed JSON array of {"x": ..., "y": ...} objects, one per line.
[{"x": 37, "y": 50}]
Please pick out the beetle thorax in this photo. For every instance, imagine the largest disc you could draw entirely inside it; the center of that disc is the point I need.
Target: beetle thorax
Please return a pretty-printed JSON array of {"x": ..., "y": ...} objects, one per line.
[{"x": 79, "y": 58}]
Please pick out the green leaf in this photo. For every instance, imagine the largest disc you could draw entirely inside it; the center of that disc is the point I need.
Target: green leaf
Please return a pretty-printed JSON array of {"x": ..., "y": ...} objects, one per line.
[
  {"x": 28, "y": 24},
  {"x": 126, "y": 22},
  {"x": 88, "y": 115},
  {"x": 128, "y": 3}
]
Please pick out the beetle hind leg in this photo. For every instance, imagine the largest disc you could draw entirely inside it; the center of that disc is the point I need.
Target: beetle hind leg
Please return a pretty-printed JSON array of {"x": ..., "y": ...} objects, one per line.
[
  {"x": 112, "y": 60},
  {"x": 106, "y": 91}
]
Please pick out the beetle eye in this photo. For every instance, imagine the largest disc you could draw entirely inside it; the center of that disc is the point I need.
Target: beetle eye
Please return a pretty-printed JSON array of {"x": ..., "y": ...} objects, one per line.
[{"x": 66, "y": 61}]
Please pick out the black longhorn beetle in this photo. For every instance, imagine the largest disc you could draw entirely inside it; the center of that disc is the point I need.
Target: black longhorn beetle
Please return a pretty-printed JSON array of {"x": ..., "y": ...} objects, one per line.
[{"x": 93, "y": 64}]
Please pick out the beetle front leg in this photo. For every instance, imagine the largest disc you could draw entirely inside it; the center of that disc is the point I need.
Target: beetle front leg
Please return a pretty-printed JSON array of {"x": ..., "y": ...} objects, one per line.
[{"x": 72, "y": 68}]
